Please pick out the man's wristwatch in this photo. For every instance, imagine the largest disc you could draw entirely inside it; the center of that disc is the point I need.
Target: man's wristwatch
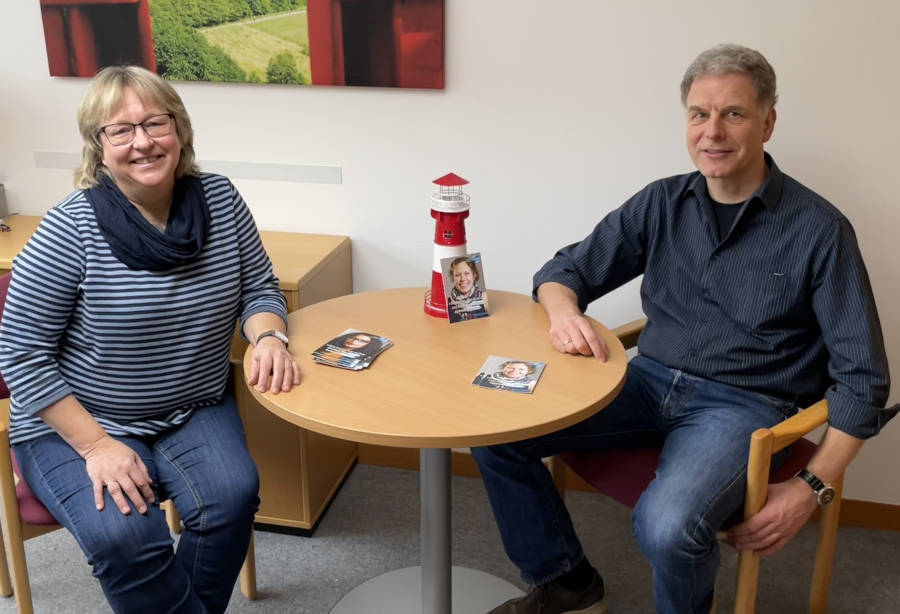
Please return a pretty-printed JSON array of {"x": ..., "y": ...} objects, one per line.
[
  {"x": 273, "y": 333},
  {"x": 824, "y": 491}
]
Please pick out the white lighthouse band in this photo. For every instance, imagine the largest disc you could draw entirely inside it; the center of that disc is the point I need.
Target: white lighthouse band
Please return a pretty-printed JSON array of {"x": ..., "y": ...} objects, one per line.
[{"x": 446, "y": 251}]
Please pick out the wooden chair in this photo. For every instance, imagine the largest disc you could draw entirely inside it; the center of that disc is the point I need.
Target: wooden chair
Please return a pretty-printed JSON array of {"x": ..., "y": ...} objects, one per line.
[
  {"x": 24, "y": 516},
  {"x": 624, "y": 474}
]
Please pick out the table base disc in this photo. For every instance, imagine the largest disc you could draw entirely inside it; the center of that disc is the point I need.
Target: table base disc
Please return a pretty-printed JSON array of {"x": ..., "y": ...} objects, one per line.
[{"x": 399, "y": 592}]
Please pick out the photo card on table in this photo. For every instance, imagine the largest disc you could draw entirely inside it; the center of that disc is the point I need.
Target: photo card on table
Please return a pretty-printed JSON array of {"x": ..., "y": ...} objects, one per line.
[
  {"x": 464, "y": 287},
  {"x": 352, "y": 349},
  {"x": 514, "y": 375}
]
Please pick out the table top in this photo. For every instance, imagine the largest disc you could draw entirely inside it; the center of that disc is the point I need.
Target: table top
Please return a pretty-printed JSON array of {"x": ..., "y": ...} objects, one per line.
[
  {"x": 296, "y": 257},
  {"x": 22, "y": 227},
  {"x": 419, "y": 393}
]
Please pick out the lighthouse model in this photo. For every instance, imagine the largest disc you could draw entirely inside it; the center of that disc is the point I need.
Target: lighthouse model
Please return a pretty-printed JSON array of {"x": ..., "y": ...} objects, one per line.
[{"x": 449, "y": 208}]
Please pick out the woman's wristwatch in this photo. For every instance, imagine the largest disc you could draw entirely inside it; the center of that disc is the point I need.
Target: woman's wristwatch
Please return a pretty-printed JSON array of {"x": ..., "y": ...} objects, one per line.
[
  {"x": 824, "y": 491},
  {"x": 273, "y": 333}
]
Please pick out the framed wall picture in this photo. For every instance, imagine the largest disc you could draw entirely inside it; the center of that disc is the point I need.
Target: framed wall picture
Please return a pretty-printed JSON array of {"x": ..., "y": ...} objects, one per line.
[{"x": 383, "y": 43}]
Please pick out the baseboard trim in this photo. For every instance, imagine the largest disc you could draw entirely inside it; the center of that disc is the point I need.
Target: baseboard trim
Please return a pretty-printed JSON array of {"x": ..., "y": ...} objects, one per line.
[
  {"x": 854, "y": 512},
  {"x": 461, "y": 463},
  {"x": 870, "y": 515}
]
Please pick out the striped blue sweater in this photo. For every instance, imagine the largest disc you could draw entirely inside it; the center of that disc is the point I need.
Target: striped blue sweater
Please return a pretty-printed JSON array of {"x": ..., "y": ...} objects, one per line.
[{"x": 140, "y": 350}]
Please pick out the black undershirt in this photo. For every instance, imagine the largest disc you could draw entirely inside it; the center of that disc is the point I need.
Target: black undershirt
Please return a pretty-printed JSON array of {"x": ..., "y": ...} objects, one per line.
[{"x": 725, "y": 216}]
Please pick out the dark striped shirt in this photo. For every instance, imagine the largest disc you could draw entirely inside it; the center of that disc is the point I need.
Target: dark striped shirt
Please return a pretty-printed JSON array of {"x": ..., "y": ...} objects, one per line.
[
  {"x": 140, "y": 350},
  {"x": 781, "y": 305}
]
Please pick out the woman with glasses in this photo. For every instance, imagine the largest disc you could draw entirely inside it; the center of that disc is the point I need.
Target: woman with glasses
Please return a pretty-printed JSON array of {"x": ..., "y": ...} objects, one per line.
[{"x": 116, "y": 342}]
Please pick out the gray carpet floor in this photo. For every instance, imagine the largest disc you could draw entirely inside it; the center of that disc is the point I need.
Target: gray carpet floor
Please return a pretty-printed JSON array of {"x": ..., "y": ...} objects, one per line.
[{"x": 373, "y": 527}]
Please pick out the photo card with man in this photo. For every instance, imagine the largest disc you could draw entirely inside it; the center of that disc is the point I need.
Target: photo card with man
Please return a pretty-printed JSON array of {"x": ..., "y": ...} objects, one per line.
[
  {"x": 514, "y": 375},
  {"x": 464, "y": 287}
]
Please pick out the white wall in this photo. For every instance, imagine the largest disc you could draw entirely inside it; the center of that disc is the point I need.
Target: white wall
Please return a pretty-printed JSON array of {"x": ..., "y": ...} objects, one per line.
[{"x": 555, "y": 111}]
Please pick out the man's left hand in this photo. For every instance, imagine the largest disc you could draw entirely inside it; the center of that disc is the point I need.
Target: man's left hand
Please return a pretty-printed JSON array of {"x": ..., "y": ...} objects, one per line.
[{"x": 788, "y": 506}]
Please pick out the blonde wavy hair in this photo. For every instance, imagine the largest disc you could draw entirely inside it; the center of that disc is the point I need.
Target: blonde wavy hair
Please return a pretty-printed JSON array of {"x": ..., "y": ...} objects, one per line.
[{"x": 103, "y": 98}]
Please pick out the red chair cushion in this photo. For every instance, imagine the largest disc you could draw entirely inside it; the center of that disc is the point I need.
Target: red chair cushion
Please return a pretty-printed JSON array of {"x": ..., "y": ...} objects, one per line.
[
  {"x": 4, "y": 287},
  {"x": 620, "y": 473},
  {"x": 31, "y": 510},
  {"x": 624, "y": 473},
  {"x": 802, "y": 451}
]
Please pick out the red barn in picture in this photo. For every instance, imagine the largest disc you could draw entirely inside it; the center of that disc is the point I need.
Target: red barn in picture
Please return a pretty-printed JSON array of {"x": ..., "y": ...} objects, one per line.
[
  {"x": 82, "y": 36},
  {"x": 388, "y": 43}
]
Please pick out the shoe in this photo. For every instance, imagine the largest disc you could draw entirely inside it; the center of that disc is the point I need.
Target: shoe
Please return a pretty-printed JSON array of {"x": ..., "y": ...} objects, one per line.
[{"x": 553, "y": 598}]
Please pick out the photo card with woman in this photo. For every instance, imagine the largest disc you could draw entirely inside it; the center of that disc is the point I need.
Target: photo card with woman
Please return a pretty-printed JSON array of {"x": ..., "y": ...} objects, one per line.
[
  {"x": 352, "y": 349},
  {"x": 464, "y": 287},
  {"x": 501, "y": 373}
]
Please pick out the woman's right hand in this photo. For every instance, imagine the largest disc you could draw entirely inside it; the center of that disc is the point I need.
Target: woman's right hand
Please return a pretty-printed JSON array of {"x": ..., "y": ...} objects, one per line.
[
  {"x": 113, "y": 465},
  {"x": 110, "y": 463}
]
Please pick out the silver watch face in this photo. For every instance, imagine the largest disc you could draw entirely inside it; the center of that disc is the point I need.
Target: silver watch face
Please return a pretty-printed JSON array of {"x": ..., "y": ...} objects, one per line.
[{"x": 826, "y": 495}]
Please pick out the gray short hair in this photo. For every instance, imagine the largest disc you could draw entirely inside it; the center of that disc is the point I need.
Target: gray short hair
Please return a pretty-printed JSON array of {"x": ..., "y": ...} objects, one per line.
[
  {"x": 730, "y": 59},
  {"x": 102, "y": 99}
]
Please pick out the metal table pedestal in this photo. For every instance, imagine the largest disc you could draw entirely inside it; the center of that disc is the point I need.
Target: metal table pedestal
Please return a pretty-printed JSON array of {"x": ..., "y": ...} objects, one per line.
[{"x": 436, "y": 587}]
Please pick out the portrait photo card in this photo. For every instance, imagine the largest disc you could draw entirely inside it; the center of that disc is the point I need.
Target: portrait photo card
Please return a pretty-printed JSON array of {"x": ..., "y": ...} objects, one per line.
[
  {"x": 352, "y": 349},
  {"x": 512, "y": 374},
  {"x": 464, "y": 287}
]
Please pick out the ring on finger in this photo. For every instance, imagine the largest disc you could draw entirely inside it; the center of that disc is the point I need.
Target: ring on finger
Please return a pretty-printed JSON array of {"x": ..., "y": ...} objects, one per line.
[{"x": 567, "y": 342}]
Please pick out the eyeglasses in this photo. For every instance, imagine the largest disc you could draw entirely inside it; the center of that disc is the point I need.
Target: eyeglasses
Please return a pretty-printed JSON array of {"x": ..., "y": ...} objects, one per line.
[{"x": 123, "y": 133}]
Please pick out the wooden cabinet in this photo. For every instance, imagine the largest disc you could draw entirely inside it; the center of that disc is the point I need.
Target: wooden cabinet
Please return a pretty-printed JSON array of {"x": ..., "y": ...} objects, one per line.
[
  {"x": 299, "y": 470},
  {"x": 21, "y": 227}
]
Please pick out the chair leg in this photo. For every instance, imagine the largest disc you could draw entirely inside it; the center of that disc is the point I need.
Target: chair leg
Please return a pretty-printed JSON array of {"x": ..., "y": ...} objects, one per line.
[
  {"x": 248, "y": 572},
  {"x": 6, "y": 588},
  {"x": 747, "y": 579},
  {"x": 21, "y": 586},
  {"x": 828, "y": 526},
  {"x": 172, "y": 517},
  {"x": 12, "y": 527},
  {"x": 558, "y": 470},
  {"x": 758, "y": 463}
]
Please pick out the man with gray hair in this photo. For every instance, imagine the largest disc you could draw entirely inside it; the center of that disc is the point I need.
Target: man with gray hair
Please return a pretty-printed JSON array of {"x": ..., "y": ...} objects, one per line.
[{"x": 757, "y": 303}]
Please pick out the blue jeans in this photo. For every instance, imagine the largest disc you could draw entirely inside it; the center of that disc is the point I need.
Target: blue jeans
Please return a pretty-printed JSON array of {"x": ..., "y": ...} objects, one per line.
[
  {"x": 205, "y": 468},
  {"x": 704, "y": 428}
]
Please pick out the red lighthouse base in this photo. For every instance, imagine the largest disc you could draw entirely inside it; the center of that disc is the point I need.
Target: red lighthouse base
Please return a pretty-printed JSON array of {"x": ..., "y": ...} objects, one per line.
[{"x": 435, "y": 301}]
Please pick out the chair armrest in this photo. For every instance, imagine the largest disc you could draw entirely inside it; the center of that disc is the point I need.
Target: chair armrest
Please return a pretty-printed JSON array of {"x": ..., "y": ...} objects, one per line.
[
  {"x": 763, "y": 443},
  {"x": 802, "y": 423},
  {"x": 628, "y": 333},
  {"x": 767, "y": 441}
]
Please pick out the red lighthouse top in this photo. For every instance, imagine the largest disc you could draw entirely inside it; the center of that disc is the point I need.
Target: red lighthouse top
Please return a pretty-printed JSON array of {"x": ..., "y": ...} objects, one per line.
[
  {"x": 450, "y": 180},
  {"x": 450, "y": 197}
]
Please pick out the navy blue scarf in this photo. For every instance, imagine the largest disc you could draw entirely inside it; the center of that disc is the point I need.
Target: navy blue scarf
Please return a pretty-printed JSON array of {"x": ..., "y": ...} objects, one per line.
[{"x": 140, "y": 245}]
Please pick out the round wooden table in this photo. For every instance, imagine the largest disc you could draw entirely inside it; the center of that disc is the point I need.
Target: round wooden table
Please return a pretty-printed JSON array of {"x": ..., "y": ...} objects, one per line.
[{"x": 419, "y": 394}]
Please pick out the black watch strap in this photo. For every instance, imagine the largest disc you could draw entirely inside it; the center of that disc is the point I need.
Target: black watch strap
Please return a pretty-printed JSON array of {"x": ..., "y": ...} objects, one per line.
[
  {"x": 273, "y": 333},
  {"x": 824, "y": 492}
]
